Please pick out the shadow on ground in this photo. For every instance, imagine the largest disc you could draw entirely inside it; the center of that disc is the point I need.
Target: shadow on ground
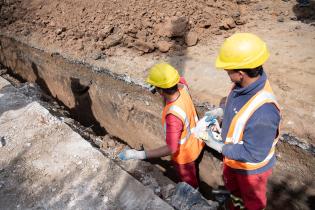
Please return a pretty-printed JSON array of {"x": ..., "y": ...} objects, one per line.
[
  {"x": 288, "y": 194},
  {"x": 305, "y": 14}
]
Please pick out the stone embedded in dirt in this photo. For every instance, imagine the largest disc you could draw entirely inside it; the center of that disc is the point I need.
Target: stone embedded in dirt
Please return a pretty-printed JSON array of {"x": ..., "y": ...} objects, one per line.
[
  {"x": 227, "y": 24},
  {"x": 243, "y": 1},
  {"x": 60, "y": 30},
  {"x": 143, "y": 46},
  {"x": 205, "y": 23},
  {"x": 294, "y": 18},
  {"x": 97, "y": 56},
  {"x": 80, "y": 46},
  {"x": 128, "y": 41},
  {"x": 111, "y": 143},
  {"x": 104, "y": 145},
  {"x": 164, "y": 46},
  {"x": 240, "y": 21},
  {"x": 142, "y": 34},
  {"x": 261, "y": 6},
  {"x": 191, "y": 38},
  {"x": 172, "y": 27},
  {"x": 236, "y": 15},
  {"x": 112, "y": 40},
  {"x": 98, "y": 141},
  {"x": 280, "y": 19},
  {"x": 50, "y": 23},
  {"x": 3, "y": 141},
  {"x": 105, "y": 32}
]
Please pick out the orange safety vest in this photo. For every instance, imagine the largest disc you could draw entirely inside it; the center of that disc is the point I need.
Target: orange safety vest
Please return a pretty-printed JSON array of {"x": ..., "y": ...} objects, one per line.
[
  {"x": 183, "y": 108},
  {"x": 238, "y": 124}
]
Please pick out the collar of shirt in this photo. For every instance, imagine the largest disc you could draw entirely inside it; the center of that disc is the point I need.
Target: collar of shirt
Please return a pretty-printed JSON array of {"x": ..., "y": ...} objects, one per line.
[{"x": 252, "y": 88}]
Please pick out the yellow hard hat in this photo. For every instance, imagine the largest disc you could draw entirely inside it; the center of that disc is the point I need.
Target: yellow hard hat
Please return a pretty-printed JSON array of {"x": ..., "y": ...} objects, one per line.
[
  {"x": 242, "y": 51},
  {"x": 163, "y": 75}
]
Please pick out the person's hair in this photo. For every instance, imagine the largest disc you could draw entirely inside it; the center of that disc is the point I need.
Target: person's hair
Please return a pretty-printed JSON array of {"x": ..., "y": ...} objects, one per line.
[
  {"x": 253, "y": 72},
  {"x": 171, "y": 90}
]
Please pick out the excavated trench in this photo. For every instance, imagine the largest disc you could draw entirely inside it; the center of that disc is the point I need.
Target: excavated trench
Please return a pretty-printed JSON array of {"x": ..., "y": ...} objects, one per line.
[{"x": 109, "y": 103}]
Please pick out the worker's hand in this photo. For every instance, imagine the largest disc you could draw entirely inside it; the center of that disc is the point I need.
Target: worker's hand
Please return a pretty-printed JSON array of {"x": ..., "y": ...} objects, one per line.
[
  {"x": 212, "y": 118},
  {"x": 214, "y": 114},
  {"x": 132, "y": 154},
  {"x": 212, "y": 139},
  {"x": 201, "y": 126}
]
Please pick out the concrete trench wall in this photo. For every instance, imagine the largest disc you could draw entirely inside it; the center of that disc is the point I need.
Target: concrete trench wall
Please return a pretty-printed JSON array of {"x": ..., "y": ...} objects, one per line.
[{"x": 98, "y": 97}]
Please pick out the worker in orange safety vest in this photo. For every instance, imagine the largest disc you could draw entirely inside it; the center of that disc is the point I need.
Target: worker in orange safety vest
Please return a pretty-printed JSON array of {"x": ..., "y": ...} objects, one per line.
[
  {"x": 250, "y": 124},
  {"x": 179, "y": 118}
]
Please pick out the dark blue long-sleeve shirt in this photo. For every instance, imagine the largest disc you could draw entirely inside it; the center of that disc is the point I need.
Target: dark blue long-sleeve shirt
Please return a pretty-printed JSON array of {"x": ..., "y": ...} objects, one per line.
[{"x": 260, "y": 130}]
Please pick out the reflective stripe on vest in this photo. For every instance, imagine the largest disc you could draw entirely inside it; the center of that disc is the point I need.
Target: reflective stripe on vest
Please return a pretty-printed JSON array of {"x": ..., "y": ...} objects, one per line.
[
  {"x": 237, "y": 127},
  {"x": 260, "y": 99},
  {"x": 183, "y": 115},
  {"x": 183, "y": 108}
]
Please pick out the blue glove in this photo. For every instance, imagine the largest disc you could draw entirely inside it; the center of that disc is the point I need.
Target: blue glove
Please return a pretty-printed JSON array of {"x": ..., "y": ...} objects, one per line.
[{"x": 211, "y": 119}]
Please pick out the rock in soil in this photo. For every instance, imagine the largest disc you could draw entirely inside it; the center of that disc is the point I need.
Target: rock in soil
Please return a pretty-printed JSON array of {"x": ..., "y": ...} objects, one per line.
[
  {"x": 164, "y": 46},
  {"x": 143, "y": 46},
  {"x": 173, "y": 27},
  {"x": 187, "y": 198},
  {"x": 191, "y": 39}
]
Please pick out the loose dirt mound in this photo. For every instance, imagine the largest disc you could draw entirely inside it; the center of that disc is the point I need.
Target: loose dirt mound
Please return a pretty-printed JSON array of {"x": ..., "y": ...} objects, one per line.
[{"x": 99, "y": 25}]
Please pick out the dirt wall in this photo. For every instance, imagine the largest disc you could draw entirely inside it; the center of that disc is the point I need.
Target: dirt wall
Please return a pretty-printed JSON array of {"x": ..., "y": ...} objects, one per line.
[{"x": 96, "y": 97}]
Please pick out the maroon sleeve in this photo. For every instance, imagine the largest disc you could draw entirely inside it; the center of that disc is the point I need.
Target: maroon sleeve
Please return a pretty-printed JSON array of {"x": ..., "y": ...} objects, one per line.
[{"x": 174, "y": 128}]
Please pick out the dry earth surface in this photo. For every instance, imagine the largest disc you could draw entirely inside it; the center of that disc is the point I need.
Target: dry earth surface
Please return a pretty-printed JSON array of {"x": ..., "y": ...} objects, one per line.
[{"x": 129, "y": 36}]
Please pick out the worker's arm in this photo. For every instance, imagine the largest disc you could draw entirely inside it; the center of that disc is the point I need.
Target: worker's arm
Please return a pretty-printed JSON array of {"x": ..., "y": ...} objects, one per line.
[
  {"x": 259, "y": 135},
  {"x": 159, "y": 152},
  {"x": 142, "y": 154},
  {"x": 174, "y": 127}
]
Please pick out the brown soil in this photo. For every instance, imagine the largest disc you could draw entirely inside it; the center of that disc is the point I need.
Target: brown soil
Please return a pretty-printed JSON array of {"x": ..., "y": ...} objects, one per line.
[
  {"x": 117, "y": 33},
  {"x": 128, "y": 36},
  {"x": 92, "y": 26}
]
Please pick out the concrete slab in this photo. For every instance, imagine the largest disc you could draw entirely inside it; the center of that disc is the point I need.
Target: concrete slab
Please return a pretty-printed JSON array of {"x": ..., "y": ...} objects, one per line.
[{"x": 46, "y": 165}]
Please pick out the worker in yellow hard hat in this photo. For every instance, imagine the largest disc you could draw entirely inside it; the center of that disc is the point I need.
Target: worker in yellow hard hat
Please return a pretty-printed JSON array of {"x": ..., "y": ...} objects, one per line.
[
  {"x": 250, "y": 124},
  {"x": 179, "y": 118}
]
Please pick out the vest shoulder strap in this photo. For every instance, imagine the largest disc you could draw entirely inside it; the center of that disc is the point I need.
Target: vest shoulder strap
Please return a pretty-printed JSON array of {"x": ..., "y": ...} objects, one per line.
[{"x": 239, "y": 121}]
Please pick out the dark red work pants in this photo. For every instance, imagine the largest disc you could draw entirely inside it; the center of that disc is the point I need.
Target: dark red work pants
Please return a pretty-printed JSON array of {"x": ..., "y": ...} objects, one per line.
[
  {"x": 187, "y": 173},
  {"x": 247, "y": 191}
]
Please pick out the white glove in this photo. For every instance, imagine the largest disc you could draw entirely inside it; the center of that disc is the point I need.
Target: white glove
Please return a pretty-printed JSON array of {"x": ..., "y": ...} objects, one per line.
[
  {"x": 201, "y": 127},
  {"x": 132, "y": 154},
  {"x": 209, "y": 122},
  {"x": 212, "y": 139}
]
